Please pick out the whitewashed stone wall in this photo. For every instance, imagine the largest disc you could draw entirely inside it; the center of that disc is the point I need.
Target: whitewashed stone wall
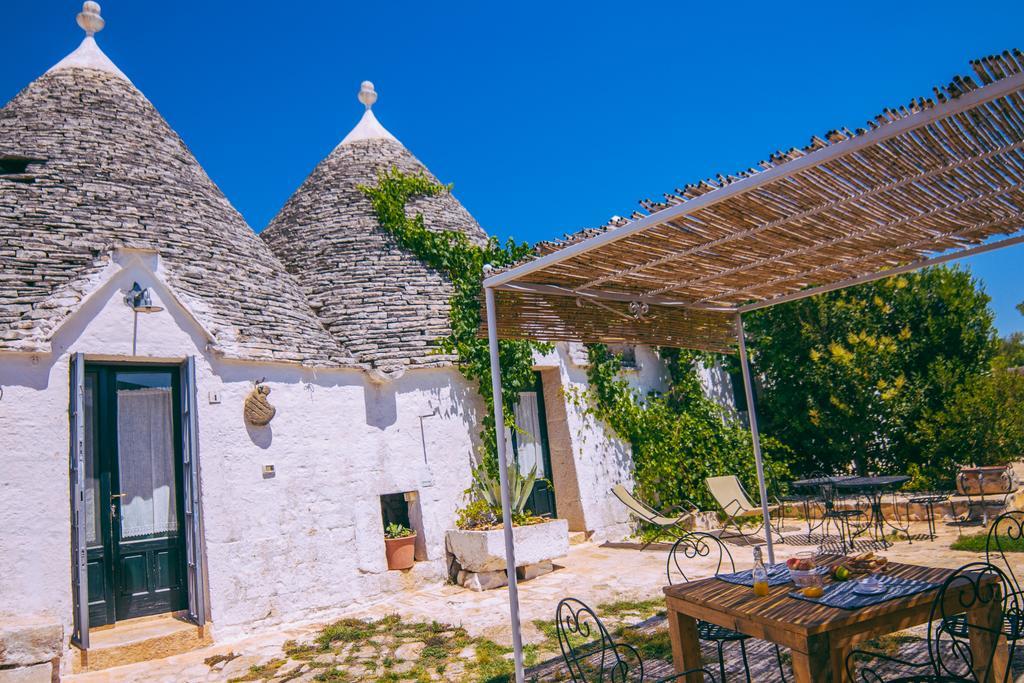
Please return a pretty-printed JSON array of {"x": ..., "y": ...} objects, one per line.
[
  {"x": 298, "y": 546},
  {"x": 306, "y": 543},
  {"x": 600, "y": 460}
]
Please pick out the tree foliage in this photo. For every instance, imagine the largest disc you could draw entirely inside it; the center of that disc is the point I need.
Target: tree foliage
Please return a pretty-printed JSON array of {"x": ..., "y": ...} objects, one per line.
[
  {"x": 678, "y": 437},
  {"x": 854, "y": 376}
]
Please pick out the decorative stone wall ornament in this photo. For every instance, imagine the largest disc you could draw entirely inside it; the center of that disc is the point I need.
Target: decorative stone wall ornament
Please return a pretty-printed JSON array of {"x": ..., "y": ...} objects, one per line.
[{"x": 258, "y": 411}]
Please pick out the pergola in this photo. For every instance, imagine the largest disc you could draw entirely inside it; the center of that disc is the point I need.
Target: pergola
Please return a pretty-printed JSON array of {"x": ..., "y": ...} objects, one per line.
[{"x": 939, "y": 179}]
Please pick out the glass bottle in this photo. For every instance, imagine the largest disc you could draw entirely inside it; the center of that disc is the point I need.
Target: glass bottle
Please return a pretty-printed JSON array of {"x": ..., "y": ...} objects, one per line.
[{"x": 759, "y": 574}]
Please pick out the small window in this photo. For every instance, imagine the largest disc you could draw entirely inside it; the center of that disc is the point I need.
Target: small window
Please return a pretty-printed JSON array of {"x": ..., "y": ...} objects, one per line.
[
  {"x": 394, "y": 509},
  {"x": 627, "y": 352},
  {"x": 15, "y": 168}
]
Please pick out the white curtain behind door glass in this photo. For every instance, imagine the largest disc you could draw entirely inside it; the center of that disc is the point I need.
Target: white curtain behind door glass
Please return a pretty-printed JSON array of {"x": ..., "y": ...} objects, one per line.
[
  {"x": 528, "y": 443},
  {"x": 145, "y": 444},
  {"x": 92, "y": 480}
]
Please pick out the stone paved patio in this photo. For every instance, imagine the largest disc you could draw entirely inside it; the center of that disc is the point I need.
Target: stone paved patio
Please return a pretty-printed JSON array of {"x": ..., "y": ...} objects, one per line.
[{"x": 477, "y": 636}]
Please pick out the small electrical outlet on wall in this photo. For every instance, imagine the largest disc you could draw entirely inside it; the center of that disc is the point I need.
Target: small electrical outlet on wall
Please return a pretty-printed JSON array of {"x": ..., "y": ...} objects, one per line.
[{"x": 214, "y": 397}]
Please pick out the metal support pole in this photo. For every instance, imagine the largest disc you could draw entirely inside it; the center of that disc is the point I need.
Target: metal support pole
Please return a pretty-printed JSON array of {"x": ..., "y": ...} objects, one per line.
[
  {"x": 506, "y": 505},
  {"x": 755, "y": 434}
]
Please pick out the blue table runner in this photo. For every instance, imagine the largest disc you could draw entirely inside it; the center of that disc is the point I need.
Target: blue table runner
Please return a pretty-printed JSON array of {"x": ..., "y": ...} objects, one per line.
[
  {"x": 778, "y": 574},
  {"x": 841, "y": 595}
]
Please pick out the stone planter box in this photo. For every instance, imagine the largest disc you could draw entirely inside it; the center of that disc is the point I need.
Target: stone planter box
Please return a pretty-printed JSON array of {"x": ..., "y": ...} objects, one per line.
[{"x": 481, "y": 554}]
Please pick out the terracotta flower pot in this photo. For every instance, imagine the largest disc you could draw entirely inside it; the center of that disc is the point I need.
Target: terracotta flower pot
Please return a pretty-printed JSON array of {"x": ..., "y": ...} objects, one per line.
[{"x": 401, "y": 552}]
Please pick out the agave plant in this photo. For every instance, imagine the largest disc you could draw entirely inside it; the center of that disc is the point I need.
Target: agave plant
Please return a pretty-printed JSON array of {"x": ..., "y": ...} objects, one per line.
[{"x": 487, "y": 487}]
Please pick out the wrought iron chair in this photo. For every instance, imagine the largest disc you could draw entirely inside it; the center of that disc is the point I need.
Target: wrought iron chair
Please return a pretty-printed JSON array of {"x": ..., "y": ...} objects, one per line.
[
  {"x": 592, "y": 656},
  {"x": 928, "y": 500},
  {"x": 950, "y": 655},
  {"x": 834, "y": 512},
  {"x": 806, "y": 501},
  {"x": 1006, "y": 529},
  {"x": 702, "y": 544}
]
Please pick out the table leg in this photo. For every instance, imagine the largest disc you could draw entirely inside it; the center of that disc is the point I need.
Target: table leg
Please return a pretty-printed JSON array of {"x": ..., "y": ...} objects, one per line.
[
  {"x": 837, "y": 657},
  {"x": 816, "y": 664},
  {"x": 685, "y": 644},
  {"x": 989, "y": 666}
]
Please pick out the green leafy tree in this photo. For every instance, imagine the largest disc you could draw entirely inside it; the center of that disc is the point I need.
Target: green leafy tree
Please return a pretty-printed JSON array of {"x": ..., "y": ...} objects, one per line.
[
  {"x": 849, "y": 376},
  {"x": 678, "y": 437},
  {"x": 983, "y": 424},
  {"x": 1011, "y": 350}
]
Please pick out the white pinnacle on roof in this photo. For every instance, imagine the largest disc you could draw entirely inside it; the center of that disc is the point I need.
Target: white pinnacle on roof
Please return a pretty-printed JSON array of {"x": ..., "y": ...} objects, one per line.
[
  {"x": 88, "y": 55},
  {"x": 369, "y": 127}
]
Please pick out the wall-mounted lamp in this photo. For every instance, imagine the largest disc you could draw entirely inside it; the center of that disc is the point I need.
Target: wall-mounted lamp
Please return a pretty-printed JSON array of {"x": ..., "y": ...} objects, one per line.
[{"x": 141, "y": 300}]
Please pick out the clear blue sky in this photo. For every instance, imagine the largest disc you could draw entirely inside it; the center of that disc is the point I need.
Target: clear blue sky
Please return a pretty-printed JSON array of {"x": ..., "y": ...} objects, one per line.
[{"x": 547, "y": 116}]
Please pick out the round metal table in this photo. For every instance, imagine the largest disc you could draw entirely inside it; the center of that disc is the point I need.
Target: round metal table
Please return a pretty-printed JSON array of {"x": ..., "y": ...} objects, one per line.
[{"x": 873, "y": 488}]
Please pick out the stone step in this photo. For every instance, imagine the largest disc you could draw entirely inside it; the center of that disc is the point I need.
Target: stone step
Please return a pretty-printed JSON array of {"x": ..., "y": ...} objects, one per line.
[
  {"x": 577, "y": 537},
  {"x": 140, "y": 640}
]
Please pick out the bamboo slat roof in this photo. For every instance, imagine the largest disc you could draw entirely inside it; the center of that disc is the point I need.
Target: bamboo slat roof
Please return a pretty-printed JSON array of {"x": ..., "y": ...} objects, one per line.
[{"x": 939, "y": 178}]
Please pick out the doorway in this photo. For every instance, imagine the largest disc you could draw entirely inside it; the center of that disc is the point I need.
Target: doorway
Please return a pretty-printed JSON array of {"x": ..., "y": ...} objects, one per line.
[
  {"x": 530, "y": 447},
  {"x": 133, "y": 492}
]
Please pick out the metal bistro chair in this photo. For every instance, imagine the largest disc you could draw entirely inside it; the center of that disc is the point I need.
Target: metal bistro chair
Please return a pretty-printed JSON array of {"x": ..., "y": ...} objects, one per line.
[
  {"x": 834, "y": 514},
  {"x": 807, "y": 502},
  {"x": 950, "y": 656},
  {"x": 1007, "y": 529},
  {"x": 671, "y": 521},
  {"x": 592, "y": 656},
  {"x": 702, "y": 544},
  {"x": 730, "y": 495}
]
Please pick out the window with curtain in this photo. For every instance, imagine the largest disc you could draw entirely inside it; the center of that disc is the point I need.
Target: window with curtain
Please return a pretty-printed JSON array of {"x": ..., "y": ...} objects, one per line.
[
  {"x": 528, "y": 447},
  {"x": 92, "y": 482},
  {"x": 145, "y": 442}
]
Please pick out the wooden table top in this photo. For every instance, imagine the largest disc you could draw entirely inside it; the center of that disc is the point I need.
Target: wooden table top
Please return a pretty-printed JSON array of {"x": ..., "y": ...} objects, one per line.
[{"x": 777, "y": 610}]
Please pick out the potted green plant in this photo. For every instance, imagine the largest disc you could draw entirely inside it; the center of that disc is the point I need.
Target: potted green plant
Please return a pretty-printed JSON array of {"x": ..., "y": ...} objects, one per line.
[
  {"x": 399, "y": 546},
  {"x": 478, "y": 544}
]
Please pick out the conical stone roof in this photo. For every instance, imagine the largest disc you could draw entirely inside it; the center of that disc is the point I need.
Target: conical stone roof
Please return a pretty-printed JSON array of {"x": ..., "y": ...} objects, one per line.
[
  {"x": 87, "y": 166},
  {"x": 380, "y": 301}
]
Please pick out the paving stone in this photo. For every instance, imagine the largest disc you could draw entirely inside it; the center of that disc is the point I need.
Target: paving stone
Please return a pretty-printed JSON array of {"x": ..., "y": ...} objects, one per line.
[
  {"x": 409, "y": 651},
  {"x": 240, "y": 665}
]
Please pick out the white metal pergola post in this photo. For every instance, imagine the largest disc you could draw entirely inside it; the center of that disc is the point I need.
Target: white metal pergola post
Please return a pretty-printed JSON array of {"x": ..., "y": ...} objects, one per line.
[
  {"x": 755, "y": 435},
  {"x": 506, "y": 503}
]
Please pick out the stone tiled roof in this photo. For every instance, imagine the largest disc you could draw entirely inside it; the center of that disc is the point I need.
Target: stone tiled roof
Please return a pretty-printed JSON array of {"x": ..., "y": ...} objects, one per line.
[
  {"x": 87, "y": 165},
  {"x": 380, "y": 301}
]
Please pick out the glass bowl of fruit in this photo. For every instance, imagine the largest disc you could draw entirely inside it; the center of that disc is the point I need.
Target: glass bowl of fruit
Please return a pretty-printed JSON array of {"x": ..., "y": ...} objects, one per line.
[{"x": 802, "y": 567}]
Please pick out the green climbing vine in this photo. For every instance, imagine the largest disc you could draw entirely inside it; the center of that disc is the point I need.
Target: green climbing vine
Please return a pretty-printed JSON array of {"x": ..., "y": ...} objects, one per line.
[
  {"x": 463, "y": 261},
  {"x": 678, "y": 436}
]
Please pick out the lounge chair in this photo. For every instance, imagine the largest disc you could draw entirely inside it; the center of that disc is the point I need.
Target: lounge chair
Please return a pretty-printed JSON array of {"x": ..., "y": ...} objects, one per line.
[
  {"x": 671, "y": 520},
  {"x": 730, "y": 495}
]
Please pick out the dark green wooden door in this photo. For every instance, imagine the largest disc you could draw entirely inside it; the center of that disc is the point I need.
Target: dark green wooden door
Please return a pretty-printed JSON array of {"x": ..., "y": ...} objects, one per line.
[
  {"x": 530, "y": 448},
  {"x": 133, "y": 484}
]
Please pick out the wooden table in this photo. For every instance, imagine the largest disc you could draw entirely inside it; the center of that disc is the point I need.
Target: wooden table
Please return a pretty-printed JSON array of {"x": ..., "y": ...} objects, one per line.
[{"x": 820, "y": 637}]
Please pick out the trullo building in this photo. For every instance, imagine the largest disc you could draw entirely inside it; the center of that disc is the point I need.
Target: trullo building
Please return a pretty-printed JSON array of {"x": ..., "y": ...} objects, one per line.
[{"x": 146, "y": 336}]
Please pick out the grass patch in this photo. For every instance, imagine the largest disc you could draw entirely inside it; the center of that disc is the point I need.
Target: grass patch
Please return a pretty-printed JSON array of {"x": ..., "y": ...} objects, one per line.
[
  {"x": 620, "y": 608},
  {"x": 260, "y": 672},
  {"x": 346, "y": 631},
  {"x": 975, "y": 543},
  {"x": 333, "y": 675},
  {"x": 442, "y": 645},
  {"x": 217, "y": 659}
]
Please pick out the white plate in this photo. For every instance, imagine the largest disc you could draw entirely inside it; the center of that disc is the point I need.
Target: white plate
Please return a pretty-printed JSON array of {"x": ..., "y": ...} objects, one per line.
[{"x": 869, "y": 587}]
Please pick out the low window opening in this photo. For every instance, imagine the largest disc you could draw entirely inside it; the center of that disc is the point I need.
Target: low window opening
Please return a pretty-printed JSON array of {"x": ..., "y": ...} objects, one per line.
[
  {"x": 627, "y": 352},
  {"x": 404, "y": 508},
  {"x": 394, "y": 509},
  {"x": 15, "y": 168}
]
